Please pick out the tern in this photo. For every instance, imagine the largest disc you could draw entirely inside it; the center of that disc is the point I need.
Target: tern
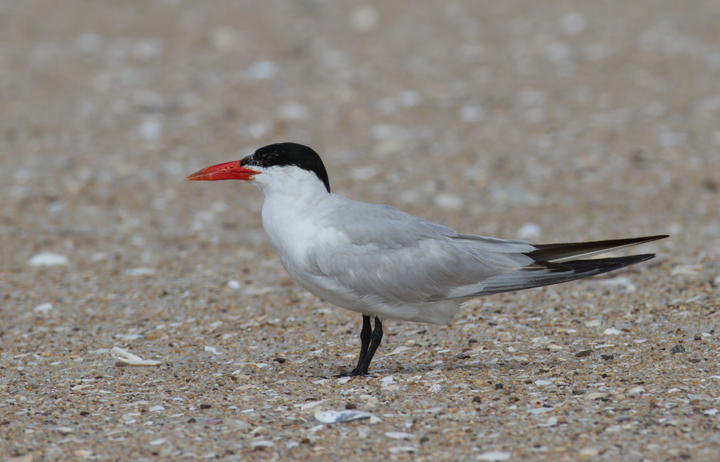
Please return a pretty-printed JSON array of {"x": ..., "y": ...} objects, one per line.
[{"x": 385, "y": 264}]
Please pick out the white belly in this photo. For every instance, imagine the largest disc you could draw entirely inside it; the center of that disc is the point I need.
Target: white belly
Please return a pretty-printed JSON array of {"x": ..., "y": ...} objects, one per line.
[{"x": 290, "y": 232}]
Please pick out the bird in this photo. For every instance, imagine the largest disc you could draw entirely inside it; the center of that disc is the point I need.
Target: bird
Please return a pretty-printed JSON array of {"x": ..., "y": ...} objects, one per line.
[{"x": 386, "y": 264}]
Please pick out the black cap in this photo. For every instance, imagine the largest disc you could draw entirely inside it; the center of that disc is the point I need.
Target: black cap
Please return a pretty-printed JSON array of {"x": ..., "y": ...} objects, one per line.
[{"x": 289, "y": 154}]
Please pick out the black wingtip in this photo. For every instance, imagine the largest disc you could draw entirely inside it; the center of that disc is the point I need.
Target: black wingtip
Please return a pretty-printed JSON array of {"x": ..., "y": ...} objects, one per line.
[
  {"x": 559, "y": 252},
  {"x": 603, "y": 265}
]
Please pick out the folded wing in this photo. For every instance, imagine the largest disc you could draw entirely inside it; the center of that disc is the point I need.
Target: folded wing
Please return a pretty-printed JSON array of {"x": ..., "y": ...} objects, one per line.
[{"x": 400, "y": 260}]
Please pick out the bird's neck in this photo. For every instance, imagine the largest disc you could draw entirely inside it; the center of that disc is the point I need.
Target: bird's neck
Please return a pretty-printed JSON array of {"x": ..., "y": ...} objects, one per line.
[
  {"x": 296, "y": 195},
  {"x": 290, "y": 203},
  {"x": 293, "y": 186},
  {"x": 288, "y": 221}
]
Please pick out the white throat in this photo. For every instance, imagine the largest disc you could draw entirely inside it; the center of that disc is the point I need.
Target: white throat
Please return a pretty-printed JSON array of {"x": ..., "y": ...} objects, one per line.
[
  {"x": 291, "y": 198},
  {"x": 290, "y": 185}
]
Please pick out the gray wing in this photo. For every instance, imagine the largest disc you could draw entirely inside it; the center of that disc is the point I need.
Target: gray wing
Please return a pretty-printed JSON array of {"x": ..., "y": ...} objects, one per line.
[{"x": 402, "y": 259}]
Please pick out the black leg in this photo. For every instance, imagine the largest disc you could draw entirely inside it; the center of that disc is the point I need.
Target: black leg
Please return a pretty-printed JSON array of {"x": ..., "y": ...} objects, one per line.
[
  {"x": 365, "y": 336},
  {"x": 370, "y": 344},
  {"x": 377, "y": 336}
]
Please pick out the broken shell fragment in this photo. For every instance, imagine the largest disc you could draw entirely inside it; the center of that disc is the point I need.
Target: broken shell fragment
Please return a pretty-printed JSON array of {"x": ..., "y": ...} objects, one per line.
[
  {"x": 333, "y": 417},
  {"x": 128, "y": 359}
]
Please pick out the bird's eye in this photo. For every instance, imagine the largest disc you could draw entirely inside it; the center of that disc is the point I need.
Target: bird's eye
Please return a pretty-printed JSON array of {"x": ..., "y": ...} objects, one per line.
[{"x": 270, "y": 158}]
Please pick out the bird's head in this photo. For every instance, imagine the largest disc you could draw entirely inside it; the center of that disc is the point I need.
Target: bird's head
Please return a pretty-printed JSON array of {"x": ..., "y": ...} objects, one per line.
[{"x": 269, "y": 165}]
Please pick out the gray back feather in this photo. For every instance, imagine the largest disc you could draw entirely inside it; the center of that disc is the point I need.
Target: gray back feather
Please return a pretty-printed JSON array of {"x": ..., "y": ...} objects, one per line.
[{"x": 406, "y": 260}]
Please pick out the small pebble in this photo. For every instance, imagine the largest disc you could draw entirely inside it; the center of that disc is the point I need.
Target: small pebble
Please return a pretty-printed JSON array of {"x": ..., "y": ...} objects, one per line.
[
  {"x": 48, "y": 259},
  {"x": 551, "y": 422},
  {"x": 262, "y": 70},
  {"x": 224, "y": 38},
  {"x": 364, "y": 18},
  {"x": 672, "y": 139},
  {"x": 612, "y": 331},
  {"x": 240, "y": 424},
  {"x": 401, "y": 449},
  {"x": 43, "y": 308},
  {"x": 151, "y": 127},
  {"x": 677, "y": 349},
  {"x": 257, "y": 130},
  {"x": 129, "y": 359},
  {"x": 143, "y": 271},
  {"x": 409, "y": 98},
  {"x": 365, "y": 172},
  {"x": 262, "y": 444},
  {"x": 399, "y": 435},
  {"x": 532, "y": 98},
  {"x": 635, "y": 391},
  {"x": 88, "y": 43},
  {"x": 539, "y": 410},
  {"x": 494, "y": 456},
  {"x": 400, "y": 349},
  {"x": 529, "y": 231},
  {"x": 147, "y": 49},
  {"x": 449, "y": 201},
  {"x": 621, "y": 282},
  {"x": 573, "y": 23},
  {"x": 389, "y": 139},
  {"x": 471, "y": 114},
  {"x": 372, "y": 403},
  {"x": 332, "y": 417},
  {"x": 687, "y": 270},
  {"x": 293, "y": 111}
]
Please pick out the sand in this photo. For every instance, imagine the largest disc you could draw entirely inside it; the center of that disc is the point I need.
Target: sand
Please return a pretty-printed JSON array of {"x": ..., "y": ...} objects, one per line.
[{"x": 549, "y": 121}]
